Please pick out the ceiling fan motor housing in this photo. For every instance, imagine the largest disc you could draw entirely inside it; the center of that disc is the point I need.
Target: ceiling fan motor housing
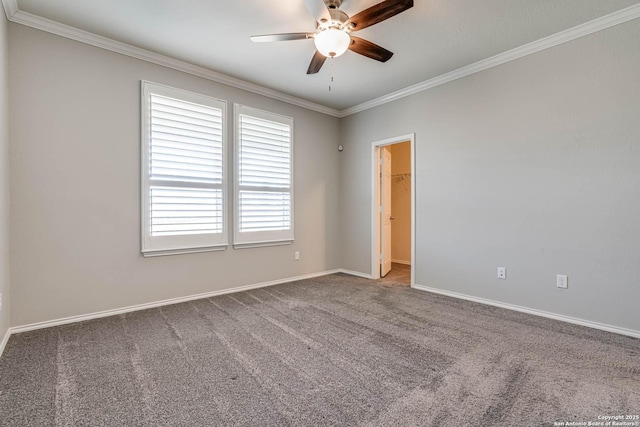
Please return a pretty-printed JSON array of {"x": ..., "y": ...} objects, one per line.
[
  {"x": 338, "y": 18},
  {"x": 333, "y": 4}
]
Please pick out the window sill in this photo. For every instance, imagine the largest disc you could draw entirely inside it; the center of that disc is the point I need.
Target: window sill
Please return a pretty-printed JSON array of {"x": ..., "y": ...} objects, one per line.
[
  {"x": 180, "y": 251},
  {"x": 262, "y": 244}
]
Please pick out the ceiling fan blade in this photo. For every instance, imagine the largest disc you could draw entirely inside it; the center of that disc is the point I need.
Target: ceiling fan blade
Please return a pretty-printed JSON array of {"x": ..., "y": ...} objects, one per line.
[
  {"x": 378, "y": 13},
  {"x": 318, "y": 10},
  {"x": 316, "y": 63},
  {"x": 281, "y": 37},
  {"x": 370, "y": 50}
]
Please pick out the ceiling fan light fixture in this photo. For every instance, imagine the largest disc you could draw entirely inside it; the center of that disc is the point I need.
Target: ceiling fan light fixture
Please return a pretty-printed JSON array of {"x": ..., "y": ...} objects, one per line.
[
  {"x": 332, "y": 36},
  {"x": 332, "y": 42}
]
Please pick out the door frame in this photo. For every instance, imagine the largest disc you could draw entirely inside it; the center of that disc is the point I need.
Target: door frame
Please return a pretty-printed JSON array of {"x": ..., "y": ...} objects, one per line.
[{"x": 375, "y": 203}]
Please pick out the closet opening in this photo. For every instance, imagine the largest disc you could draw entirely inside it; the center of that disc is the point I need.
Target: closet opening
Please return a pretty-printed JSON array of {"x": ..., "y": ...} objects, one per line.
[{"x": 393, "y": 219}]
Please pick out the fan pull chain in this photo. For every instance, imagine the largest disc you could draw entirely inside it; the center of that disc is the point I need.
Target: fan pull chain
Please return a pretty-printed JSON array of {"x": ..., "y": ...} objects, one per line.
[{"x": 330, "y": 73}]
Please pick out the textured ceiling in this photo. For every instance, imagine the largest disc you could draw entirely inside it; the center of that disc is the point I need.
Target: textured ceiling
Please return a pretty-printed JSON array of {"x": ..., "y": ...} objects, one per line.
[{"x": 432, "y": 38}]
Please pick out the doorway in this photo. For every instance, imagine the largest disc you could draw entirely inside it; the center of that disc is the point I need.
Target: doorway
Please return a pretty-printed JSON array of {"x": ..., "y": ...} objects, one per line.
[{"x": 393, "y": 207}]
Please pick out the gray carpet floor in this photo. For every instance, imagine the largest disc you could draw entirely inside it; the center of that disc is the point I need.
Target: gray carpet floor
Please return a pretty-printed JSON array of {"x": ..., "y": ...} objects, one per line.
[{"x": 335, "y": 350}]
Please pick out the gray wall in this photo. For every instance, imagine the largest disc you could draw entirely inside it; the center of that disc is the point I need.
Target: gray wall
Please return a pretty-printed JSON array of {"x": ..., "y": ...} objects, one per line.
[
  {"x": 533, "y": 165},
  {"x": 4, "y": 180},
  {"x": 75, "y": 192}
]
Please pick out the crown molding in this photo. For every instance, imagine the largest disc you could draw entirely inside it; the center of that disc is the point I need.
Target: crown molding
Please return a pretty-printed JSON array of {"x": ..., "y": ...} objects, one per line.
[
  {"x": 82, "y": 36},
  {"x": 10, "y": 7},
  {"x": 15, "y": 15},
  {"x": 598, "y": 24}
]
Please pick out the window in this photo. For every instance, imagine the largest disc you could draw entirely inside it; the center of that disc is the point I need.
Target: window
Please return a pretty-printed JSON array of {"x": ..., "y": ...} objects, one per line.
[
  {"x": 183, "y": 171},
  {"x": 264, "y": 178}
]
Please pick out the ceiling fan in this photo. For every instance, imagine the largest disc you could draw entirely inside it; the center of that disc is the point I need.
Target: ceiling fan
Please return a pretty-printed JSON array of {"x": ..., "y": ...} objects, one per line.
[{"x": 334, "y": 27}]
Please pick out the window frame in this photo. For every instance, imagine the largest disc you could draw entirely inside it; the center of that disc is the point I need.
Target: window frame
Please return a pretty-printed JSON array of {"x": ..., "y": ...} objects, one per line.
[
  {"x": 262, "y": 238},
  {"x": 184, "y": 243}
]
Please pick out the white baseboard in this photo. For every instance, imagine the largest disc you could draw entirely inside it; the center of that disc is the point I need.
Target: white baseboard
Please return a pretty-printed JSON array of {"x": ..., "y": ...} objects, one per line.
[
  {"x": 562, "y": 318},
  {"x": 355, "y": 273},
  {"x": 4, "y": 341},
  {"x": 401, "y": 261},
  {"x": 138, "y": 307},
  {"x": 106, "y": 313}
]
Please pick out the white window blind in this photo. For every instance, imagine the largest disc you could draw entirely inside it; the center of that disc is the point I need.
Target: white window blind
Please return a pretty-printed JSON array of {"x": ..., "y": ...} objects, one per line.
[
  {"x": 183, "y": 171},
  {"x": 264, "y": 171}
]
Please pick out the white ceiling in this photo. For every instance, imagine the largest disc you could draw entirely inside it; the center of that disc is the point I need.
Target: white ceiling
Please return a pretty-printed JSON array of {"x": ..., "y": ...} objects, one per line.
[{"x": 433, "y": 38}]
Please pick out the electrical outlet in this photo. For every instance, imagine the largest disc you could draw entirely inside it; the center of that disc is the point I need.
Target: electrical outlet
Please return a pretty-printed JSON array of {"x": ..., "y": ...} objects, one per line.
[
  {"x": 502, "y": 273},
  {"x": 296, "y": 255},
  {"x": 562, "y": 281}
]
